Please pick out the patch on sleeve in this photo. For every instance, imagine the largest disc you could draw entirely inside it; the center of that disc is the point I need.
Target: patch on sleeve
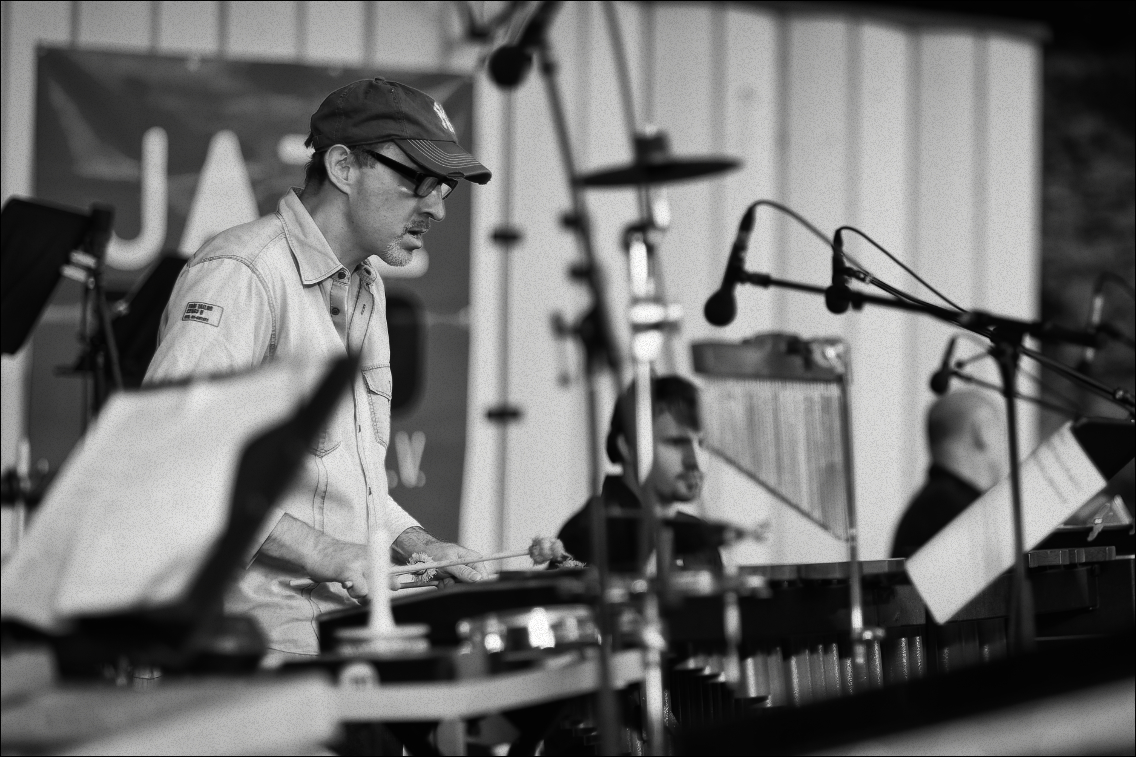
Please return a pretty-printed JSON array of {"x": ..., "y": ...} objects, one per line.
[{"x": 203, "y": 312}]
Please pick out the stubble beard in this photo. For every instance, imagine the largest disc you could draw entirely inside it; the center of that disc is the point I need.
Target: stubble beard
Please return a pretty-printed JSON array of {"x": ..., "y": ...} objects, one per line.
[{"x": 394, "y": 255}]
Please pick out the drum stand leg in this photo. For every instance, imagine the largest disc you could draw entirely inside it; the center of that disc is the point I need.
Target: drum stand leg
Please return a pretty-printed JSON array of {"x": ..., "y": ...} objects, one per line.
[{"x": 861, "y": 635}]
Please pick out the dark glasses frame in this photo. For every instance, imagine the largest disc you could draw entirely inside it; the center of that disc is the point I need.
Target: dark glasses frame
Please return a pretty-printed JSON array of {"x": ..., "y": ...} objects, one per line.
[{"x": 424, "y": 183}]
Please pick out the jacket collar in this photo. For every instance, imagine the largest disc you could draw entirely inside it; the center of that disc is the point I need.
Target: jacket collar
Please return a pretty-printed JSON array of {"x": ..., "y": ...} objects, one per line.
[{"x": 312, "y": 252}]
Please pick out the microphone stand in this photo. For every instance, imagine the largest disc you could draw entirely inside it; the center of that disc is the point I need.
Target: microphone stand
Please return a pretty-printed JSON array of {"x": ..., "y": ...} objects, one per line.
[
  {"x": 1052, "y": 406},
  {"x": 597, "y": 335},
  {"x": 1007, "y": 335}
]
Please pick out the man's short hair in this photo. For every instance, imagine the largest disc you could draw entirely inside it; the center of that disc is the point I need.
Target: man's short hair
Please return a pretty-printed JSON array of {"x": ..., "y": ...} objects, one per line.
[
  {"x": 315, "y": 170},
  {"x": 670, "y": 394}
]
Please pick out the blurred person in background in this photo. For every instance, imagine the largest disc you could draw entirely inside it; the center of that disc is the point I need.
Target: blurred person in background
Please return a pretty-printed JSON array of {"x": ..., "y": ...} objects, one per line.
[
  {"x": 675, "y": 480},
  {"x": 967, "y": 439}
]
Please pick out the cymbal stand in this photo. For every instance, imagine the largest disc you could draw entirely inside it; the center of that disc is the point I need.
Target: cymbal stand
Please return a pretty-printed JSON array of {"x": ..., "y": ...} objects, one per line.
[
  {"x": 649, "y": 317},
  {"x": 597, "y": 334}
]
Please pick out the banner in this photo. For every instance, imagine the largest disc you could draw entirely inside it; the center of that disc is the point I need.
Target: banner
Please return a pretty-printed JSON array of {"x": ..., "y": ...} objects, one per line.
[{"x": 185, "y": 147}]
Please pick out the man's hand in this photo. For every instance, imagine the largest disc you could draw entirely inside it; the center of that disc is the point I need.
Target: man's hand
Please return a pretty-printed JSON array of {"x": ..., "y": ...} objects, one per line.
[
  {"x": 323, "y": 558},
  {"x": 417, "y": 540},
  {"x": 341, "y": 562}
]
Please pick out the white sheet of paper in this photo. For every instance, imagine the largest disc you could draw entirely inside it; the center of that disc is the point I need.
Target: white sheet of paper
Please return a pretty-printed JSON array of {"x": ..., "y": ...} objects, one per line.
[
  {"x": 136, "y": 508},
  {"x": 978, "y": 546}
]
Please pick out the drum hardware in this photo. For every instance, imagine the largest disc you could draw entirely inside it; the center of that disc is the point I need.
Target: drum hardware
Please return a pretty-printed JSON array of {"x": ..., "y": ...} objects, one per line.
[{"x": 525, "y": 637}]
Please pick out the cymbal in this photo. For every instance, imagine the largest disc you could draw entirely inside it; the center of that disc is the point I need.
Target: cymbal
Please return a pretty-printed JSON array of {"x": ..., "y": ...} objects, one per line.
[{"x": 655, "y": 165}]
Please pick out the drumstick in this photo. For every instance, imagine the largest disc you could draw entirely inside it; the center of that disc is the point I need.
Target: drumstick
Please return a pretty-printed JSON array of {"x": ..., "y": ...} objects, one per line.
[
  {"x": 418, "y": 567},
  {"x": 541, "y": 550}
]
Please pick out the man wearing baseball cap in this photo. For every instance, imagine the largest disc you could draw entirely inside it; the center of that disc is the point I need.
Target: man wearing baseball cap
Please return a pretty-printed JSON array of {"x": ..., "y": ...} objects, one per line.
[{"x": 300, "y": 284}]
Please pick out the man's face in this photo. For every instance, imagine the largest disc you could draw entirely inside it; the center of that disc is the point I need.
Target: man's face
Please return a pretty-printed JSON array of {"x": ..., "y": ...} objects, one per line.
[
  {"x": 386, "y": 217},
  {"x": 677, "y": 473}
]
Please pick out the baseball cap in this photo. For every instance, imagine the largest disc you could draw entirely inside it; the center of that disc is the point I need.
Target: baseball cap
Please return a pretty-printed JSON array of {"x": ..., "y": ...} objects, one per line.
[{"x": 379, "y": 110}]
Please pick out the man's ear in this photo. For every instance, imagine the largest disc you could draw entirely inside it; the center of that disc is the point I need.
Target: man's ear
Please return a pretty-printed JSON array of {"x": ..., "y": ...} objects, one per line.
[{"x": 341, "y": 168}]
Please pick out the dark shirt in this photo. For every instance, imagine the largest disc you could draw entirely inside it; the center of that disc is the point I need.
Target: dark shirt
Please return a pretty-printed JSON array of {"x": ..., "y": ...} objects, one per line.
[
  {"x": 940, "y": 501},
  {"x": 694, "y": 545}
]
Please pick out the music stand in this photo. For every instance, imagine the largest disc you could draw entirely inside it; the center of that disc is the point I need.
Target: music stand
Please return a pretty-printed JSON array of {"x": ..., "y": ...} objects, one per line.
[
  {"x": 178, "y": 634},
  {"x": 37, "y": 240},
  {"x": 135, "y": 321}
]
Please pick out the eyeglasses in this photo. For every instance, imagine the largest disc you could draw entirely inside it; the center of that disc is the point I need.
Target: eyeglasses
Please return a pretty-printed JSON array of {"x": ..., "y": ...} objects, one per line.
[{"x": 424, "y": 183}]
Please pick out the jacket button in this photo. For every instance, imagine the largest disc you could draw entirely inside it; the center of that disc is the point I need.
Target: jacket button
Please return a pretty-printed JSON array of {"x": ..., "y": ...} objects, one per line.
[
  {"x": 342, "y": 274},
  {"x": 335, "y": 311}
]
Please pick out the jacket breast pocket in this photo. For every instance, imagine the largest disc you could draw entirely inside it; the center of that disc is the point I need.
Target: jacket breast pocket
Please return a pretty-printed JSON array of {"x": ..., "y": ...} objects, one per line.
[{"x": 379, "y": 386}]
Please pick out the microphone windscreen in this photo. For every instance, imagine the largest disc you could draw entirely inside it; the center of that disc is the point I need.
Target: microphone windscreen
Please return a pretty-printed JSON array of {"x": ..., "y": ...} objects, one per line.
[
  {"x": 940, "y": 382},
  {"x": 721, "y": 308},
  {"x": 508, "y": 65}
]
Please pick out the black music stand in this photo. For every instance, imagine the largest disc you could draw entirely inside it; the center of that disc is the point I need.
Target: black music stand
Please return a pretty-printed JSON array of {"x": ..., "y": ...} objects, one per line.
[
  {"x": 37, "y": 240},
  {"x": 41, "y": 242},
  {"x": 135, "y": 320},
  {"x": 185, "y": 634}
]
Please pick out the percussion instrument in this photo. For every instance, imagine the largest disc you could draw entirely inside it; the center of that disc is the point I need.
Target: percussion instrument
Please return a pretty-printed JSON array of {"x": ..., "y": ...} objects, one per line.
[
  {"x": 794, "y": 649},
  {"x": 776, "y": 408},
  {"x": 654, "y": 164}
]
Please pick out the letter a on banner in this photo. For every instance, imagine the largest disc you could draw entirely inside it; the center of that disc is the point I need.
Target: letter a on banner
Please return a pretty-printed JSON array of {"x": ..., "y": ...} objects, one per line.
[{"x": 224, "y": 196}]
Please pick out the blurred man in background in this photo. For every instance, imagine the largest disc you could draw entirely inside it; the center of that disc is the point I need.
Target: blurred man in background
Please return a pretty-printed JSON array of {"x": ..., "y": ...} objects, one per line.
[
  {"x": 675, "y": 479},
  {"x": 967, "y": 438}
]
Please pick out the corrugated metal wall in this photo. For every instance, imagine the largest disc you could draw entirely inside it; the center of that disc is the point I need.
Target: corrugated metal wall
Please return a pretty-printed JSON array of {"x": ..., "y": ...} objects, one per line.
[{"x": 925, "y": 135}]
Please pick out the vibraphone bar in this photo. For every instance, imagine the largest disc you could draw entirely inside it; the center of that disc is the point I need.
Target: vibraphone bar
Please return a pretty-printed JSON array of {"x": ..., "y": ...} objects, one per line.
[{"x": 796, "y": 646}]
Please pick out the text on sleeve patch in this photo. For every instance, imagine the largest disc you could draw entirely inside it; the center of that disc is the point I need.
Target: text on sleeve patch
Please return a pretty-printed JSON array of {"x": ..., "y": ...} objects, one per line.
[{"x": 203, "y": 312}]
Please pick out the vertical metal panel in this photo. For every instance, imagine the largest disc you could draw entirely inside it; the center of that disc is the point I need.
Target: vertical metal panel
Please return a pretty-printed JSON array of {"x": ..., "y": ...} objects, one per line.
[
  {"x": 752, "y": 117},
  {"x": 549, "y": 472},
  {"x": 609, "y": 143},
  {"x": 188, "y": 27},
  {"x": 334, "y": 32},
  {"x": 945, "y": 212},
  {"x": 408, "y": 35},
  {"x": 686, "y": 110},
  {"x": 885, "y": 417},
  {"x": 817, "y": 134},
  {"x": 114, "y": 23},
  {"x": 1010, "y": 272},
  {"x": 480, "y": 507},
  {"x": 751, "y": 133},
  {"x": 261, "y": 30}
]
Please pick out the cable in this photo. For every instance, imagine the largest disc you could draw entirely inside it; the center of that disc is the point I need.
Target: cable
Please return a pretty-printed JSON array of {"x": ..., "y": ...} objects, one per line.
[
  {"x": 902, "y": 265},
  {"x": 795, "y": 216}
]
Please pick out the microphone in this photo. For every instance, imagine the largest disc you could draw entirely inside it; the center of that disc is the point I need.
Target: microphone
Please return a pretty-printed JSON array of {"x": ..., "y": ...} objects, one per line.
[
  {"x": 509, "y": 64},
  {"x": 838, "y": 296},
  {"x": 722, "y": 306},
  {"x": 1096, "y": 311},
  {"x": 941, "y": 379}
]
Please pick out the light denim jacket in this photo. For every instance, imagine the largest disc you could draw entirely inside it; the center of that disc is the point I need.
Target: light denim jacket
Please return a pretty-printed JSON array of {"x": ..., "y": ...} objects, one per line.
[{"x": 273, "y": 289}]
